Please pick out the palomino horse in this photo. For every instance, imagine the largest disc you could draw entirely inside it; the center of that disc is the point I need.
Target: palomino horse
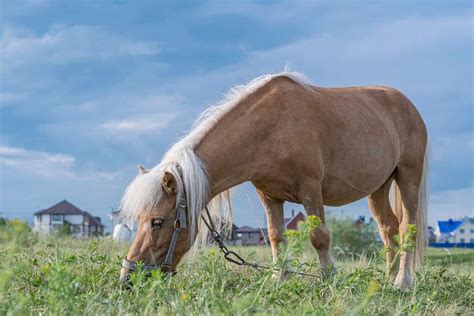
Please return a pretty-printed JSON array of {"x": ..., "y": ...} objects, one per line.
[{"x": 295, "y": 142}]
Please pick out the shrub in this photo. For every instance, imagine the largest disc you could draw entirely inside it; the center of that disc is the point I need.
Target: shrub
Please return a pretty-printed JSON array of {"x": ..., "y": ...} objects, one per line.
[
  {"x": 14, "y": 230},
  {"x": 347, "y": 239}
]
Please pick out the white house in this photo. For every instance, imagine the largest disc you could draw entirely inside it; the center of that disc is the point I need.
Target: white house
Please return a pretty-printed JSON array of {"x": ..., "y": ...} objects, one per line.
[
  {"x": 456, "y": 231},
  {"x": 80, "y": 223}
]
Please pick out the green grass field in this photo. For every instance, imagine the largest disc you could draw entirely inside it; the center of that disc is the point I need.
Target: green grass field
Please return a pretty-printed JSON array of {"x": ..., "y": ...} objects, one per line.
[{"x": 66, "y": 276}]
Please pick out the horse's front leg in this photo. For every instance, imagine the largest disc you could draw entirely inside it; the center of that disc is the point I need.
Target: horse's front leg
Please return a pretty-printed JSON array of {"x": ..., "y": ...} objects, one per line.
[
  {"x": 276, "y": 225},
  {"x": 320, "y": 237}
]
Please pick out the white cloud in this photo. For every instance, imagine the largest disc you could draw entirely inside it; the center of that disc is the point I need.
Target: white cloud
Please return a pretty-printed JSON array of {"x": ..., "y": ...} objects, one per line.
[
  {"x": 36, "y": 179},
  {"x": 29, "y": 163},
  {"x": 64, "y": 44},
  {"x": 377, "y": 55},
  {"x": 36, "y": 162},
  {"x": 139, "y": 125}
]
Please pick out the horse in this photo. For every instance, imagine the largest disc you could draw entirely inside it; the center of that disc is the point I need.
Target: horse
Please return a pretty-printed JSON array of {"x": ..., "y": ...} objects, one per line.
[{"x": 294, "y": 142}]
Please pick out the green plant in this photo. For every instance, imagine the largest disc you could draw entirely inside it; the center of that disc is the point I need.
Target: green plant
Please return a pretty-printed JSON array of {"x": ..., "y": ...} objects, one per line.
[
  {"x": 14, "y": 231},
  {"x": 350, "y": 240},
  {"x": 66, "y": 276}
]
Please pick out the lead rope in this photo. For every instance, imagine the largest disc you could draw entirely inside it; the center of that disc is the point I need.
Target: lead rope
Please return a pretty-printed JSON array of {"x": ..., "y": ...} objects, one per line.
[
  {"x": 234, "y": 257},
  {"x": 256, "y": 216}
]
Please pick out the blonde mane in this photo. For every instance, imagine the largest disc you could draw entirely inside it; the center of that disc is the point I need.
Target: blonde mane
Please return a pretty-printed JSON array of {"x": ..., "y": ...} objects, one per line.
[{"x": 144, "y": 192}]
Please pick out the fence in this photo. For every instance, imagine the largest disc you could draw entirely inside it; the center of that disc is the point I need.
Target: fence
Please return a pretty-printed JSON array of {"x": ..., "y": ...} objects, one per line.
[{"x": 451, "y": 245}]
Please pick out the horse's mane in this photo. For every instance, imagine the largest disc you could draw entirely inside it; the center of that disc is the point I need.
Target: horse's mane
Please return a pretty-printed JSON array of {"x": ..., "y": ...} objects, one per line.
[{"x": 145, "y": 191}]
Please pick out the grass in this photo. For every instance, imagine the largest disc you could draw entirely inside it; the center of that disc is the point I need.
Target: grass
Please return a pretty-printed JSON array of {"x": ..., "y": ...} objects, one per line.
[{"x": 66, "y": 276}]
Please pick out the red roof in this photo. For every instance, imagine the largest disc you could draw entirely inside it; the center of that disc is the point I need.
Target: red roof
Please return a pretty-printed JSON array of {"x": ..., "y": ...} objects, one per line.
[{"x": 298, "y": 217}]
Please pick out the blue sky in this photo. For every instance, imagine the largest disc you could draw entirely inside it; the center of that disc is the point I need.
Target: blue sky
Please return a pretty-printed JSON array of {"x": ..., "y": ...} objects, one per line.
[{"x": 90, "y": 89}]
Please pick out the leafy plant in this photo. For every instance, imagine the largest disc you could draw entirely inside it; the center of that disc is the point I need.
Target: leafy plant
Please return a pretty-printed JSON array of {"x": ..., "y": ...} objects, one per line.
[
  {"x": 348, "y": 240},
  {"x": 65, "y": 276},
  {"x": 14, "y": 231}
]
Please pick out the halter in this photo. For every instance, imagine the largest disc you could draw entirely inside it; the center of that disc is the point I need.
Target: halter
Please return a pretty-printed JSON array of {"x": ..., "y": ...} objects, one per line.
[{"x": 179, "y": 224}]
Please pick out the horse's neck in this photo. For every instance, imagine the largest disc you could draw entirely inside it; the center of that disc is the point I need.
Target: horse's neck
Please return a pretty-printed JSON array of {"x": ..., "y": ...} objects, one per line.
[{"x": 229, "y": 149}]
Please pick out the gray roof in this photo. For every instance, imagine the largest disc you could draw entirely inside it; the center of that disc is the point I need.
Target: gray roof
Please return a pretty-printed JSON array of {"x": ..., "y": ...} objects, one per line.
[
  {"x": 63, "y": 207},
  {"x": 248, "y": 229},
  {"x": 66, "y": 208}
]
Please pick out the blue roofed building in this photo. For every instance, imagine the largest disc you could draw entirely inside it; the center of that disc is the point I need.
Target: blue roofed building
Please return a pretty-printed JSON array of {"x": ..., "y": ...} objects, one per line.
[{"x": 456, "y": 232}]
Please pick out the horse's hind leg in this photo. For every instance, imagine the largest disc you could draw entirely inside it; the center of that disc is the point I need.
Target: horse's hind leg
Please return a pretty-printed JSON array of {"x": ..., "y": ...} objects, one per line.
[
  {"x": 387, "y": 222},
  {"x": 409, "y": 179}
]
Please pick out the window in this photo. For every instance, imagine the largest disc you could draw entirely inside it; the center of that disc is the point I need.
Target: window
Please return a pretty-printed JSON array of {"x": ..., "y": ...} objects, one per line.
[
  {"x": 57, "y": 218},
  {"x": 461, "y": 231},
  {"x": 472, "y": 240},
  {"x": 462, "y": 240},
  {"x": 92, "y": 228},
  {"x": 471, "y": 231},
  {"x": 76, "y": 228}
]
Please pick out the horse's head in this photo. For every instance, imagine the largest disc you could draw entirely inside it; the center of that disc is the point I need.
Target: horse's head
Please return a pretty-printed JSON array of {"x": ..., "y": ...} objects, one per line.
[{"x": 162, "y": 236}]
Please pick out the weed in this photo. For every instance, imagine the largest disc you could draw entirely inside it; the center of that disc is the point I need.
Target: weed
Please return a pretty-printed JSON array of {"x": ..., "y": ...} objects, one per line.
[{"x": 68, "y": 276}]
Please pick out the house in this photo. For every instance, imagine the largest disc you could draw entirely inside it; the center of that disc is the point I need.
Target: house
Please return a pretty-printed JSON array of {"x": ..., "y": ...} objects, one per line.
[
  {"x": 360, "y": 222},
  {"x": 431, "y": 235},
  {"x": 293, "y": 221},
  {"x": 455, "y": 233},
  {"x": 370, "y": 226},
  {"x": 231, "y": 234},
  {"x": 80, "y": 223},
  {"x": 247, "y": 236}
]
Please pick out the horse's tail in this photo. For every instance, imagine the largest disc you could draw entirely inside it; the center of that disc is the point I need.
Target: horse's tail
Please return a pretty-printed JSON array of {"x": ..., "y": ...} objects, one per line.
[{"x": 421, "y": 213}]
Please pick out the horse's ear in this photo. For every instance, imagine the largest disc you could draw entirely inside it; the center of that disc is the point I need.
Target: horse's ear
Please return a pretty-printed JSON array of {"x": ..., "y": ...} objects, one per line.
[
  {"x": 169, "y": 183},
  {"x": 142, "y": 170}
]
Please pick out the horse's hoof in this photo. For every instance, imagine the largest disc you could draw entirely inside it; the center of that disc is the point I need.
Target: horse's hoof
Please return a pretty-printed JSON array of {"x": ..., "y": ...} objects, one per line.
[
  {"x": 329, "y": 272},
  {"x": 402, "y": 282},
  {"x": 281, "y": 276}
]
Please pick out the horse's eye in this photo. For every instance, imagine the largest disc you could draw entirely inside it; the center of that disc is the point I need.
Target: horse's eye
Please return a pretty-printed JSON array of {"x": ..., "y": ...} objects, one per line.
[{"x": 156, "y": 223}]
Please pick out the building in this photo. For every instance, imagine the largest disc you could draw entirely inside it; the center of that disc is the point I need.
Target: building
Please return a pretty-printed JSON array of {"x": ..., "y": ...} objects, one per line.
[
  {"x": 360, "y": 222},
  {"x": 455, "y": 233},
  {"x": 431, "y": 235},
  {"x": 248, "y": 236},
  {"x": 64, "y": 214},
  {"x": 293, "y": 221}
]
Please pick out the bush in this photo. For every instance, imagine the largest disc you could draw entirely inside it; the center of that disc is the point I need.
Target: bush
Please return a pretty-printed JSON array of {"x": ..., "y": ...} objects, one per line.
[
  {"x": 63, "y": 230},
  {"x": 15, "y": 231},
  {"x": 347, "y": 239}
]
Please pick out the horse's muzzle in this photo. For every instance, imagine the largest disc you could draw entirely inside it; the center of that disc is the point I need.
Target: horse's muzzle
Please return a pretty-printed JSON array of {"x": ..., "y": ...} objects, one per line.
[{"x": 125, "y": 278}]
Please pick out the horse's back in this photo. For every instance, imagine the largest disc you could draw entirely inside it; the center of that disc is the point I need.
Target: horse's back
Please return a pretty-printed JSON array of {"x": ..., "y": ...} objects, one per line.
[{"x": 354, "y": 137}]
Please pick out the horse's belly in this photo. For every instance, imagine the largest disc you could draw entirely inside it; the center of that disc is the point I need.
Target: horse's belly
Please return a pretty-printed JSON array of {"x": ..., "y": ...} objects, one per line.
[
  {"x": 342, "y": 195},
  {"x": 359, "y": 167},
  {"x": 337, "y": 191}
]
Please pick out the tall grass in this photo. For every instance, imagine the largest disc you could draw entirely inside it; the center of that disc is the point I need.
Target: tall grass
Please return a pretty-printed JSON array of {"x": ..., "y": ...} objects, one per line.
[{"x": 65, "y": 276}]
